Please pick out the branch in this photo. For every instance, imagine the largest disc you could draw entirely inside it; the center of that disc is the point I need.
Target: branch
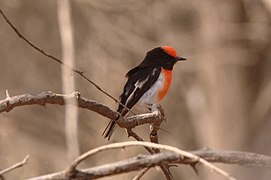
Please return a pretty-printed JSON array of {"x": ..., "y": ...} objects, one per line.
[
  {"x": 147, "y": 161},
  {"x": 182, "y": 153},
  {"x": 235, "y": 157},
  {"x": 15, "y": 166},
  {"x": 49, "y": 97}
]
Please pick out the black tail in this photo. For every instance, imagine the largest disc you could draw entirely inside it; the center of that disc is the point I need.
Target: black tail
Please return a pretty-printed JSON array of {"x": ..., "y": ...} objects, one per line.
[
  {"x": 111, "y": 125},
  {"x": 109, "y": 129}
]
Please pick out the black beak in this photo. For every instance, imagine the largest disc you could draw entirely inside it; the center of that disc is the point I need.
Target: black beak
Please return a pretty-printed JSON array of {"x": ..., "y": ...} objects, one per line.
[{"x": 180, "y": 59}]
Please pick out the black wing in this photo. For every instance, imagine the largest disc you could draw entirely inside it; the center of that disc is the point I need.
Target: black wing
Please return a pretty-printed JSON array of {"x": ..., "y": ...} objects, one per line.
[{"x": 140, "y": 80}]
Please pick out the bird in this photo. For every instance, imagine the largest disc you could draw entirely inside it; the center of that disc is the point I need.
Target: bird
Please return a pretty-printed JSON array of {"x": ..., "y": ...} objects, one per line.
[{"x": 147, "y": 83}]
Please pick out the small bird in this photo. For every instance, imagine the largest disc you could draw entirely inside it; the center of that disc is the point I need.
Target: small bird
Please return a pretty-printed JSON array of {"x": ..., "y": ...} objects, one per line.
[{"x": 147, "y": 83}]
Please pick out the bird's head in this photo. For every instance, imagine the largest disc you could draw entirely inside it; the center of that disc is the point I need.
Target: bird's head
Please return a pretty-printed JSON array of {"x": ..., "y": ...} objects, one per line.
[{"x": 164, "y": 56}]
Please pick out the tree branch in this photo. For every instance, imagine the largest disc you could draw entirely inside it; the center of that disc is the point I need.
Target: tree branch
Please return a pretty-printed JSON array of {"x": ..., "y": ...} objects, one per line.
[
  {"x": 183, "y": 154},
  {"x": 147, "y": 161},
  {"x": 49, "y": 97}
]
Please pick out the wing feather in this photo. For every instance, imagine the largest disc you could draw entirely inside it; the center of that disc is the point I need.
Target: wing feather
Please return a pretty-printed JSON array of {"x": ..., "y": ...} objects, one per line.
[
  {"x": 140, "y": 80},
  {"x": 138, "y": 83}
]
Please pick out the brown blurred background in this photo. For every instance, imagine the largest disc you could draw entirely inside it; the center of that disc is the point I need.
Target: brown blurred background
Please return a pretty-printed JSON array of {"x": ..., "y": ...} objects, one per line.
[{"x": 219, "y": 98}]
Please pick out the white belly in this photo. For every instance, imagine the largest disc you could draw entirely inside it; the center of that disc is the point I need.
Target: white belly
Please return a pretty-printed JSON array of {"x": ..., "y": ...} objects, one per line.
[{"x": 151, "y": 96}]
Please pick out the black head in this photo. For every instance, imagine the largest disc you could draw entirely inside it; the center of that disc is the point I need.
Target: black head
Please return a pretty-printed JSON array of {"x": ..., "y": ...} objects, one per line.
[{"x": 164, "y": 56}]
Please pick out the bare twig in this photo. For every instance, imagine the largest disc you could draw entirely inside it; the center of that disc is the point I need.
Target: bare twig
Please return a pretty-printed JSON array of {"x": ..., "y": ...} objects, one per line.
[
  {"x": 44, "y": 98},
  {"x": 49, "y": 97},
  {"x": 15, "y": 166},
  {"x": 80, "y": 73},
  {"x": 72, "y": 169}
]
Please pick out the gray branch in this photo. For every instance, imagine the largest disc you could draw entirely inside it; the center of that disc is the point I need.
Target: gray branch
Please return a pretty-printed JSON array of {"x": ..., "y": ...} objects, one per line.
[
  {"x": 49, "y": 97},
  {"x": 142, "y": 161}
]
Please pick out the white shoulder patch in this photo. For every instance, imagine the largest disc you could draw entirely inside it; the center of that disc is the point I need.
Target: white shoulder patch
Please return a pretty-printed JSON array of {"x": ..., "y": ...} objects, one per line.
[
  {"x": 154, "y": 71},
  {"x": 140, "y": 84}
]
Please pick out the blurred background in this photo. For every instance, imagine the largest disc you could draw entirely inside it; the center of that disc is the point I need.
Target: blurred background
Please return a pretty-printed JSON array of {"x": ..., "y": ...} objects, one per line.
[{"x": 220, "y": 98}]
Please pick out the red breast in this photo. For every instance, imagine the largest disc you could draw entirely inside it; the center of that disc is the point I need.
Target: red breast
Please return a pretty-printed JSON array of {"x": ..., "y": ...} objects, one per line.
[{"x": 168, "y": 76}]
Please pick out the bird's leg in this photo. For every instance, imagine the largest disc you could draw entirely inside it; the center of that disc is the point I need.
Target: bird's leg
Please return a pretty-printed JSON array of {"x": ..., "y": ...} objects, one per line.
[{"x": 155, "y": 107}]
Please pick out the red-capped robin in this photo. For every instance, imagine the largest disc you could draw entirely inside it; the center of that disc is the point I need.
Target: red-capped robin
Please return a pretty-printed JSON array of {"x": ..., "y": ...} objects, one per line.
[{"x": 147, "y": 83}]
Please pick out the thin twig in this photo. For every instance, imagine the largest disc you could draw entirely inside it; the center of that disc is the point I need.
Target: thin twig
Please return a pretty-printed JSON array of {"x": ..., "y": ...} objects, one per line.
[{"x": 15, "y": 166}]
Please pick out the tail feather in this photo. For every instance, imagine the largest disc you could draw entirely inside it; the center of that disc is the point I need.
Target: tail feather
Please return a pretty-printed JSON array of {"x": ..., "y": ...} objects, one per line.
[
  {"x": 109, "y": 129},
  {"x": 112, "y": 124}
]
